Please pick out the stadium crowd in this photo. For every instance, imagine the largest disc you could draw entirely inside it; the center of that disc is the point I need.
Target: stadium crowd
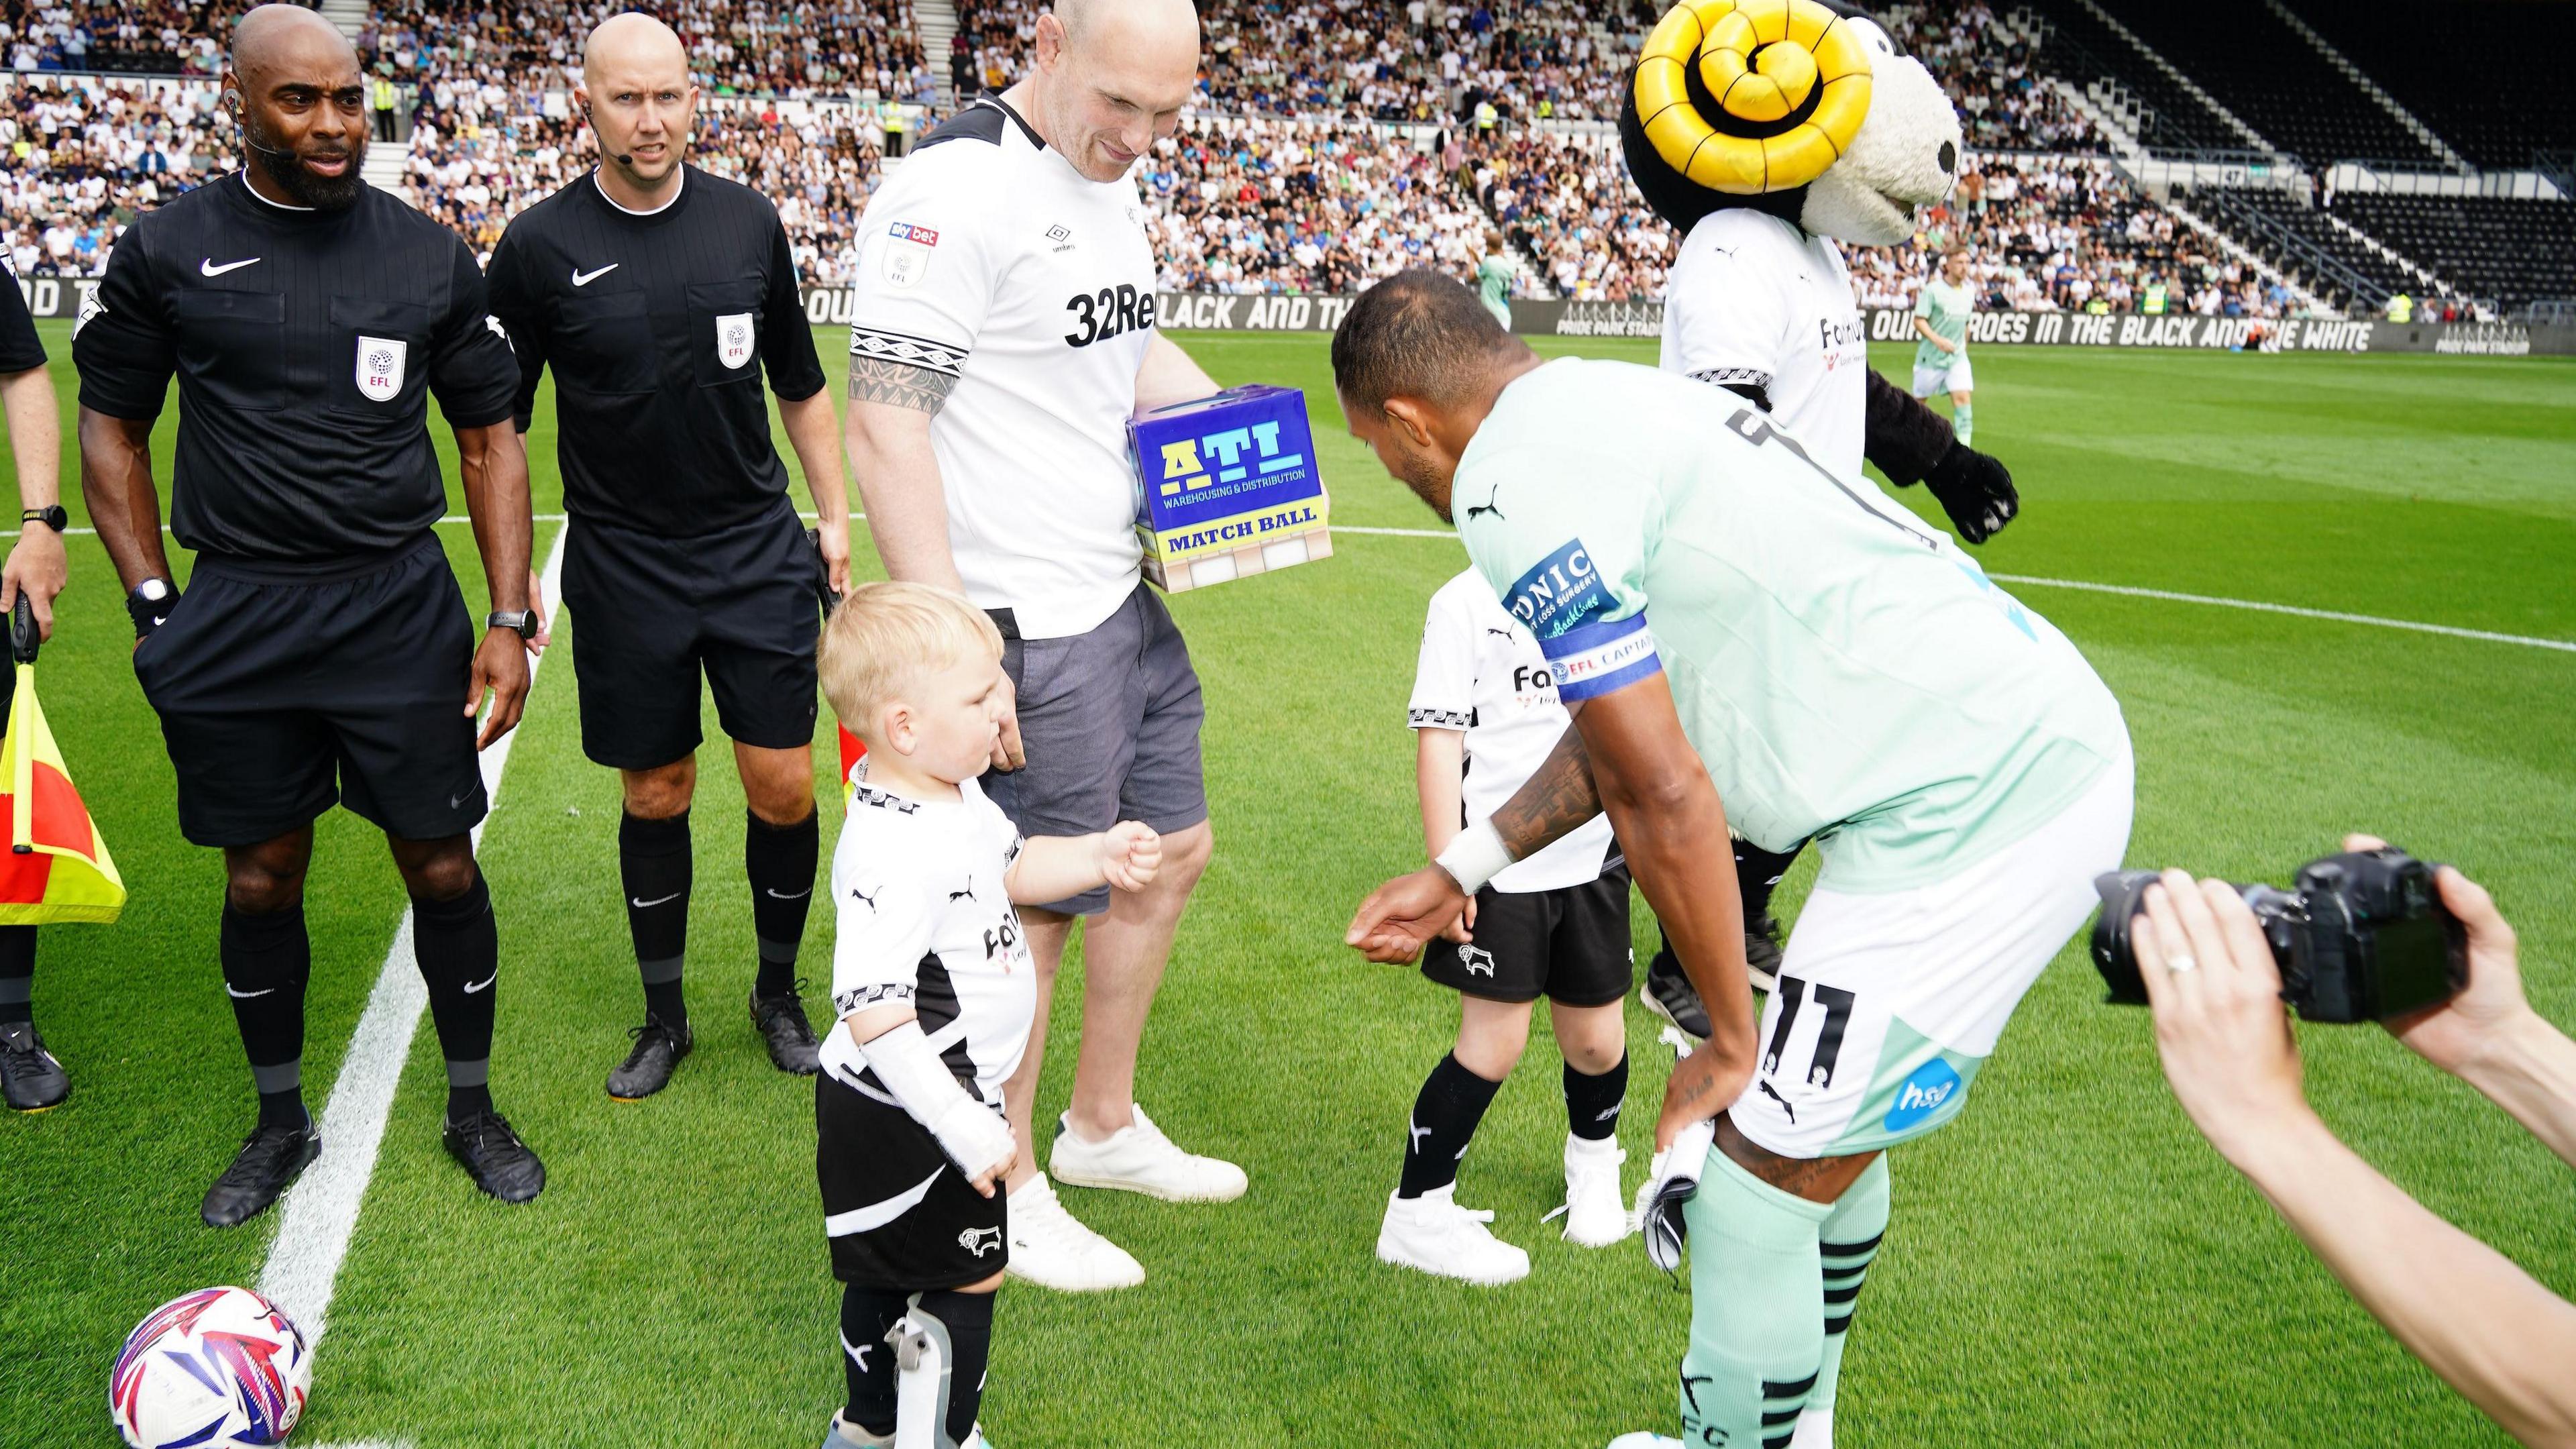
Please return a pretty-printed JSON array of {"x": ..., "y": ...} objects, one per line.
[
  {"x": 163, "y": 37},
  {"x": 1985, "y": 66},
  {"x": 782, "y": 47},
  {"x": 86, "y": 153}
]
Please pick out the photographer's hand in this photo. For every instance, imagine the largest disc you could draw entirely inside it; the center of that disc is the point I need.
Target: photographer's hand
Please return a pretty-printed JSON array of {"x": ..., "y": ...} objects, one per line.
[
  {"x": 2488, "y": 1036},
  {"x": 2221, "y": 1027},
  {"x": 2493, "y": 1333}
]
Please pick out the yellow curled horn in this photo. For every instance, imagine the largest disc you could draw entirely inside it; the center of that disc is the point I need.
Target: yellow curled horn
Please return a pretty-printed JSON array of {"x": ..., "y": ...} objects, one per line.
[{"x": 1788, "y": 80}]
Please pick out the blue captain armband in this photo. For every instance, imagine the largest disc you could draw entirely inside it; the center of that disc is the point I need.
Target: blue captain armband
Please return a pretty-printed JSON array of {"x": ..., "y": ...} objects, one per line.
[{"x": 1591, "y": 660}]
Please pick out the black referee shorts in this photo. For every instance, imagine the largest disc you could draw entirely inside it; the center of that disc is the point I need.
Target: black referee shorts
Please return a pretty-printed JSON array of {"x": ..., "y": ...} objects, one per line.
[
  {"x": 899, "y": 1214},
  {"x": 1569, "y": 945},
  {"x": 273, "y": 684},
  {"x": 650, "y": 612}
]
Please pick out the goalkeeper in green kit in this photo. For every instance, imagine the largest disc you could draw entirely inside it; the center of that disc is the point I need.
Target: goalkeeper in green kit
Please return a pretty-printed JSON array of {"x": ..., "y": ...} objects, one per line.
[
  {"x": 1744, "y": 637},
  {"x": 1941, "y": 313}
]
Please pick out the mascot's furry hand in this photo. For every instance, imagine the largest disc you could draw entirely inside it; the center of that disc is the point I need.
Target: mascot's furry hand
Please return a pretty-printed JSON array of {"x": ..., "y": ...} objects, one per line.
[{"x": 1975, "y": 490}]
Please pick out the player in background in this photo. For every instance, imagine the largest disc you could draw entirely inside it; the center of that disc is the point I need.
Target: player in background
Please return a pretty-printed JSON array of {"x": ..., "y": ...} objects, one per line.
[
  {"x": 659, "y": 294},
  {"x": 936, "y": 991},
  {"x": 31, "y": 1079},
  {"x": 1941, "y": 312},
  {"x": 1484, "y": 714},
  {"x": 1743, "y": 636},
  {"x": 1494, "y": 277}
]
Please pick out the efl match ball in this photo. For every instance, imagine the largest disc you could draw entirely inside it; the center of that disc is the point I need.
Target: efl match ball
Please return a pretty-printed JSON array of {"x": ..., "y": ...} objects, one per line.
[{"x": 220, "y": 1367}]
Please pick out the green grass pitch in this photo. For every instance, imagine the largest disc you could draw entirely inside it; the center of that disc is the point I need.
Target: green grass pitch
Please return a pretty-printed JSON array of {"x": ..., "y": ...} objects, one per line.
[{"x": 2069, "y": 1263}]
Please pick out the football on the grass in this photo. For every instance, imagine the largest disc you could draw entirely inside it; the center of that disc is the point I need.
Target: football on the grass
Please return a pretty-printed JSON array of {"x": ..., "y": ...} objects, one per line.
[{"x": 220, "y": 1367}]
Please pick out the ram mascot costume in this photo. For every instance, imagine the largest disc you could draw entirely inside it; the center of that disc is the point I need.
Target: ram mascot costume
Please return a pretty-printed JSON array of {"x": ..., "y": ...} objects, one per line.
[{"x": 1766, "y": 131}]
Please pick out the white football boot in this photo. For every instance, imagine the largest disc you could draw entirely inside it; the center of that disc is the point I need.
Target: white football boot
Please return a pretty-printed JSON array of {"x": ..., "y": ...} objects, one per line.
[
  {"x": 1643, "y": 1439},
  {"x": 1139, "y": 1158},
  {"x": 1434, "y": 1234},
  {"x": 1815, "y": 1430},
  {"x": 1595, "y": 1214},
  {"x": 1052, "y": 1250}
]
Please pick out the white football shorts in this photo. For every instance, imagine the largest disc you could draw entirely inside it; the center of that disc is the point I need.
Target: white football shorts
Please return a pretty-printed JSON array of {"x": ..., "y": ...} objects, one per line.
[
  {"x": 1953, "y": 376},
  {"x": 1888, "y": 1004}
]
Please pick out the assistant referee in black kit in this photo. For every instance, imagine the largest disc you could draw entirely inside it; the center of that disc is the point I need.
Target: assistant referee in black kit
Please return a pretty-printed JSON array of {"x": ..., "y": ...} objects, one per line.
[
  {"x": 658, "y": 293},
  {"x": 323, "y": 651}
]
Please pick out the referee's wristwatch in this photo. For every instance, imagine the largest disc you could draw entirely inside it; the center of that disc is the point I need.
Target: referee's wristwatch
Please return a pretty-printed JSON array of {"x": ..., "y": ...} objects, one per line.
[
  {"x": 149, "y": 605},
  {"x": 522, "y": 622},
  {"x": 56, "y": 518}
]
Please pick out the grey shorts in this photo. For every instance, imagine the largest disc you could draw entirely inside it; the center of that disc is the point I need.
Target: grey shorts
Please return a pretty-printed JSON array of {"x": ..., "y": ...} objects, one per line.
[{"x": 1110, "y": 720}]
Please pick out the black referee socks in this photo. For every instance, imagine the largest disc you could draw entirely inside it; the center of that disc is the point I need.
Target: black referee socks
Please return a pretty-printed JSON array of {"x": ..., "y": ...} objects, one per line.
[
  {"x": 459, "y": 950},
  {"x": 1592, "y": 1103},
  {"x": 780, "y": 860},
  {"x": 653, "y": 862},
  {"x": 1452, "y": 1102},
  {"x": 17, "y": 973},
  {"x": 267, "y": 959}
]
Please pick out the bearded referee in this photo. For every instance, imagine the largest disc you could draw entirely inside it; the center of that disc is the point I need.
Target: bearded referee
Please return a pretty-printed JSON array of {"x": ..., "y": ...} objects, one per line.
[
  {"x": 323, "y": 651},
  {"x": 658, "y": 293},
  {"x": 1002, "y": 336}
]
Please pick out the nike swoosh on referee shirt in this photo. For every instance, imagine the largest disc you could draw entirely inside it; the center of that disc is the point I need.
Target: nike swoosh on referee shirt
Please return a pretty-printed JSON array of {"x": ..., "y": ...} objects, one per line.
[
  {"x": 648, "y": 905},
  {"x": 207, "y": 267},
  {"x": 581, "y": 278}
]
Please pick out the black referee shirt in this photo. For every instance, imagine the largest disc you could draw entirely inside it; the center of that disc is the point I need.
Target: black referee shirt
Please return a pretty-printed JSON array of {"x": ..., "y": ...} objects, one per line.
[
  {"x": 305, "y": 343},
  {"x": 654, "y": 324},
  {"x": 20, "y": 349}
]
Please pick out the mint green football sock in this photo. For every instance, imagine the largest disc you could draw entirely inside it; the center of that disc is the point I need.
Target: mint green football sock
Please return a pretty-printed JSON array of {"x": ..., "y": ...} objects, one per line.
[
  {"x": 1850, "y": 1239},
  {"x": 1756, "y": 1339},
  {"x": 1964, "y": 424}
]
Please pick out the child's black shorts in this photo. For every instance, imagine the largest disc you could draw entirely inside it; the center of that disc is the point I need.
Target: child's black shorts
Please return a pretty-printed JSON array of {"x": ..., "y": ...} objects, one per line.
[
  {"x": 1569, "y": 945},
  {"x": 899, "y": 1214}
]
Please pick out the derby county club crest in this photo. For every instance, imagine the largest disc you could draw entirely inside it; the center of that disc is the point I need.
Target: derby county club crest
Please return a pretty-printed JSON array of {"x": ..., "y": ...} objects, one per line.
[
  {"x": 733, "y": 339},
  {"x": 380, "y": 367}
]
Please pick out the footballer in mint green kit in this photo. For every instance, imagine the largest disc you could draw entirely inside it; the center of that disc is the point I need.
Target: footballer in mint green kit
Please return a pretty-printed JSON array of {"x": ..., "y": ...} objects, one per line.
[
  {"x": 1941, "y": 313},
  {"x": 1747, "y": 639}
]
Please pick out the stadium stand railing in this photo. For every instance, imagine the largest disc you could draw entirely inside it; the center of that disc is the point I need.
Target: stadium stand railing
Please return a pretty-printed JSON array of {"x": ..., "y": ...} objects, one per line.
[{"x": 2487, "y": 76}]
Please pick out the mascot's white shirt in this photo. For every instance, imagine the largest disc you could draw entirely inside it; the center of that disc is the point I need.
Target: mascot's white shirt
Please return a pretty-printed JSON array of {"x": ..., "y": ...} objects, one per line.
[{"x": 1755, "y": 301}]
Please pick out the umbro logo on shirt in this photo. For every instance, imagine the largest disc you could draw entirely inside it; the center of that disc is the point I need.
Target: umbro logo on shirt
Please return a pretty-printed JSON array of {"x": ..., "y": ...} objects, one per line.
[
  {"x": 207, "y": 267},
  {"x": 1062, "y": 236},
  {"x": 581, "y": 278}
]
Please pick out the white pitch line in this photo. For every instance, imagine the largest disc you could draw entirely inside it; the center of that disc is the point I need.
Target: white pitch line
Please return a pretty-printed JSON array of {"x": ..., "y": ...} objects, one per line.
[
  {"x": 319, "y": 1212},
  {"x": 2336, "y": 615},
  {"x": 2169, "y": 596}
]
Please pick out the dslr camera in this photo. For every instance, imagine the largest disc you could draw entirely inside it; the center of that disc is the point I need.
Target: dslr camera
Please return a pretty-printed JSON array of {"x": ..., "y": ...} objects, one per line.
[{"x": 2361, "y": 936}]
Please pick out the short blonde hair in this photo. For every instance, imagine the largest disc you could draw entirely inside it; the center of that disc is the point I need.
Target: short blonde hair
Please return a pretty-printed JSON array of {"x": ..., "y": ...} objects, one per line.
[{"x": 885, "y": 636}]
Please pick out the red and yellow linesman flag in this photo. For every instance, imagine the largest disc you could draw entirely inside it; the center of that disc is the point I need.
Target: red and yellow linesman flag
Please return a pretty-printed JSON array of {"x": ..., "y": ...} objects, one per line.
[{"x": 57, "y": 868}]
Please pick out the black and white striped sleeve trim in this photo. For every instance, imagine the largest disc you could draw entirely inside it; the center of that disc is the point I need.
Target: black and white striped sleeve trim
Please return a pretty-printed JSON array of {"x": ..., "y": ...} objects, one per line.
[
  {"x": 921, "y": 352},
  {"x": 859, "y": 998},
  {"x": 1442, "y": 719},
  {"x": 1721, "y": 376}
]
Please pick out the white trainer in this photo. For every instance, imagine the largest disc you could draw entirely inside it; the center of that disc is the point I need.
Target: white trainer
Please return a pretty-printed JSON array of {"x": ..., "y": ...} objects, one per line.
[
  {"x": 1595, "y": 1214},
  {"x": 1052, "y": 1250},
  {"x": 1434, "y": 1234},
  {"x": 1139, "y": 1158}
]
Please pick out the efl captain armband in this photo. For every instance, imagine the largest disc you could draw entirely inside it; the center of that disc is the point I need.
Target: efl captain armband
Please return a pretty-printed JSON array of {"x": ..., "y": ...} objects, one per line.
[
  {"x": 1228, "y": 486},
  {"x": 1591, "y": 660}
]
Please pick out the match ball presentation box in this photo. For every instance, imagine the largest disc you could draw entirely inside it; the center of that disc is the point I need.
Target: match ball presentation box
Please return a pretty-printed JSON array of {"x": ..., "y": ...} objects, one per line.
[{"x": 1228, "y": 486}]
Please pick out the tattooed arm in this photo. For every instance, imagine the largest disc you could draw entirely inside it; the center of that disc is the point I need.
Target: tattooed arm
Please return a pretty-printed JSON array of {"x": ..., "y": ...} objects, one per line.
[{"x": 888, "y": 432}]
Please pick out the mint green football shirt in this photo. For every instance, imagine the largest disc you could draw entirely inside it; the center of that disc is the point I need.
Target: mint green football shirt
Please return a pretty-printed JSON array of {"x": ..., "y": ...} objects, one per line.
[
  {"x": 1947, "y": 308},
  {"x": 1846, "y": 672}
]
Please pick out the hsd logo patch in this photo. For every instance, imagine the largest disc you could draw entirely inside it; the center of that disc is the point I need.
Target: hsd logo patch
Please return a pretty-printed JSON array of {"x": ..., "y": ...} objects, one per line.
[{"x": 380, "y": 367}]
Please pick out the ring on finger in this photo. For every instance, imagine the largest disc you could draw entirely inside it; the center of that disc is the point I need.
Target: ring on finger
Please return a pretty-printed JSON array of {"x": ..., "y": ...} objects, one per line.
[{"x": 2180, "y": 963}]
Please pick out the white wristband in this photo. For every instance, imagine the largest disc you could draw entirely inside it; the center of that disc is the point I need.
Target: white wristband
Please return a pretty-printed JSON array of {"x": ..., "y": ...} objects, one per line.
[
  {"x": 972, "y": 1135},
  {"x": 1475, "y": 857}
]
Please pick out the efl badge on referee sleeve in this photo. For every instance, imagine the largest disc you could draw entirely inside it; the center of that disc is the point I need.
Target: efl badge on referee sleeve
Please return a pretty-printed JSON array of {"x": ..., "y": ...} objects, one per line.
[
  {"x": 733, "y": 339},
  {"x": 907, "y": 253},
  {"x": 380, "y": 367},
  {"x": 1228, "y": 486}
]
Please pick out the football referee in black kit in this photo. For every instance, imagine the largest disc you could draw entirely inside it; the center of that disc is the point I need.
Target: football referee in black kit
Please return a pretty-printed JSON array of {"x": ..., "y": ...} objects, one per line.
[
  {"x": 323, "y": 651},
  {"x": 659, "y": 293}
]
